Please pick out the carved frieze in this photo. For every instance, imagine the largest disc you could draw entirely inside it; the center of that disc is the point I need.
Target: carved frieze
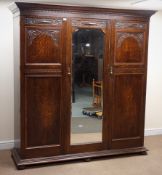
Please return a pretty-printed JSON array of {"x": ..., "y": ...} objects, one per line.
[
  {"x": 123, "y": 25},
  {"x": 88, "y": 23},
  {"x": 32, "y": 34},
  {"x": 55, "y": 22}
]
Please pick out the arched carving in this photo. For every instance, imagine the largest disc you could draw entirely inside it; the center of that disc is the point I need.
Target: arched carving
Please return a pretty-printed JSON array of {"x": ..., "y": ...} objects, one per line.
[
  {"x": 129, "y": 47},
  {"x": 43, "y": 46},
  {"x": 122, "y": 36},
  {"x": 32, "y": 34}
]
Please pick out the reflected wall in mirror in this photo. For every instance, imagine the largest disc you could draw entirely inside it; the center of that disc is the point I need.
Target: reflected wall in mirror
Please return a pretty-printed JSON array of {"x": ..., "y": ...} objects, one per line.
[{"x": 87, "y": 94}]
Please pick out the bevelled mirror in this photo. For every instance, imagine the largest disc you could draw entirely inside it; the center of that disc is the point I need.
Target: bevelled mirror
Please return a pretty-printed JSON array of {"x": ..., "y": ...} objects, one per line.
[{"x": 87, "y": 85}]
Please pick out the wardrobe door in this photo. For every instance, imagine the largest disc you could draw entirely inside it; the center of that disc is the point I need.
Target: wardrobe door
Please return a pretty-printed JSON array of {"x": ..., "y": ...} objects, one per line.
[
  {"x": 41, "y": 86},
  {"x": 88, "y": 60},
  {"x": 128, "y": 72}
]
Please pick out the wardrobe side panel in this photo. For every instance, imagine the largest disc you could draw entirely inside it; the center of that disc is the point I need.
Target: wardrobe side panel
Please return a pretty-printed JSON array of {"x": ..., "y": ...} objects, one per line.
[{"x": 16, "y": 62}]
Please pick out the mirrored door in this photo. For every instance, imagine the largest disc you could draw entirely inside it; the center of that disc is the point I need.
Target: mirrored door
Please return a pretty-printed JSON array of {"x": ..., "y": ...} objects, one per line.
[{"x": 87, "y": 86}]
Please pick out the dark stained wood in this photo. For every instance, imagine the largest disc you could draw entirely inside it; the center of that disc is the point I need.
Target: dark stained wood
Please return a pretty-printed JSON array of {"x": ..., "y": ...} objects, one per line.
[
  {"x": 129, "y": 48},
  {"x": 129, "y": 43},
  {"x": 127, "y": 101},
  {"x": 78, "y": 148},
  {"x": 107, "y": 104},
  {"x": 45, "y": 46},
  {"x": 128, "y": 98},
  {"x": 33, "y": 7},
  {"x": 23, "y": 163},
  {"x": 42, "y": 83},
  {"x": 43, "y": 99},
  {"x": 129, "y": 81}
]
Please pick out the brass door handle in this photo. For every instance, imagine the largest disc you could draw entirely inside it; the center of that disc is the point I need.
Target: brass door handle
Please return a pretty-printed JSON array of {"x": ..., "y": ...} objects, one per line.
[
  {"x": 69, "y": 70},
  {"x": 111, "y": 70}
]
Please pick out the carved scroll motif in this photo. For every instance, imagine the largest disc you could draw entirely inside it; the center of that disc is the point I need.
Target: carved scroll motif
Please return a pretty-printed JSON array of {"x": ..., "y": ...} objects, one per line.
[
  {"x": 123, "y": 25},
  {"x": 56, "y": 22},
  {"x": 122, "y": 36},
  {"x": 32, "y": 34},
  {"x": 88, "y": 23}
]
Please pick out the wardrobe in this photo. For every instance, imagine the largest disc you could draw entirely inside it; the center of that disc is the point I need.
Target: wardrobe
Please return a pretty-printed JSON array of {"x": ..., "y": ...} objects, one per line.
[{"x": 61, "y": 54}]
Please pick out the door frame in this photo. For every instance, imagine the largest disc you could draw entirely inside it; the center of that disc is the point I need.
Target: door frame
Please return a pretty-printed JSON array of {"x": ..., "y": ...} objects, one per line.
[{"x": 105, "y": 25}]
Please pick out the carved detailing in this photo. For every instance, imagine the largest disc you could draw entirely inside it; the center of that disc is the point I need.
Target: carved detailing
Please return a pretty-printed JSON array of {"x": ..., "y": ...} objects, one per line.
[
  {"x": 32, "y": 34},
  {"x": 56, "y": 22},
  {"x": 122, "y": 36},
  {"x": 88, "y": 23},
  {"x": 123, "y": 25}
]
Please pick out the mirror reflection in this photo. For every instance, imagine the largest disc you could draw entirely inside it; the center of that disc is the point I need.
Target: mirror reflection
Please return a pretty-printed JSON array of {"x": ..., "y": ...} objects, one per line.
[{"x": 87, "y": 76}]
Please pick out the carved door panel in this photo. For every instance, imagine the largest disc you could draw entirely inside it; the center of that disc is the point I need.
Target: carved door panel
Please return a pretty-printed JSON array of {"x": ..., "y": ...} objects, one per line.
[
  {"x": 129, "y": 80},
  {"x": 42, "y": 75}
]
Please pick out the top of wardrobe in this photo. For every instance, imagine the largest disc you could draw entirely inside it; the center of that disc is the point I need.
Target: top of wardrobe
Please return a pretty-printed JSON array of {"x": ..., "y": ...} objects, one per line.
[{"x": 48, "y": 10}]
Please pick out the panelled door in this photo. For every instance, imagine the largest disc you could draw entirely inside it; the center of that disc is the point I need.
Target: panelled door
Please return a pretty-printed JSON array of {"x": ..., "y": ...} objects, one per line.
[
  {"x": 42, "y": 72},
  {"x": 128, "y": 73}
]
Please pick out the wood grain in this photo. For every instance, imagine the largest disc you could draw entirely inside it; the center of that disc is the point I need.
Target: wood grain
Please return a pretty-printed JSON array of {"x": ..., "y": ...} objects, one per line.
[{"x": 45, "y": 78}]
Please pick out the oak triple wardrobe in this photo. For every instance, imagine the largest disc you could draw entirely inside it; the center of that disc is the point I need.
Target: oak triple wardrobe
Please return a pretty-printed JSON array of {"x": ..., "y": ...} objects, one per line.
[{"x": 80, "y": 82}]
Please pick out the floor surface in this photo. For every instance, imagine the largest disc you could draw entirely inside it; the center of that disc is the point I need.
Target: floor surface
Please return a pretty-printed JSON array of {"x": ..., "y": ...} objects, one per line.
[{"x": 150, "y": 164}]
